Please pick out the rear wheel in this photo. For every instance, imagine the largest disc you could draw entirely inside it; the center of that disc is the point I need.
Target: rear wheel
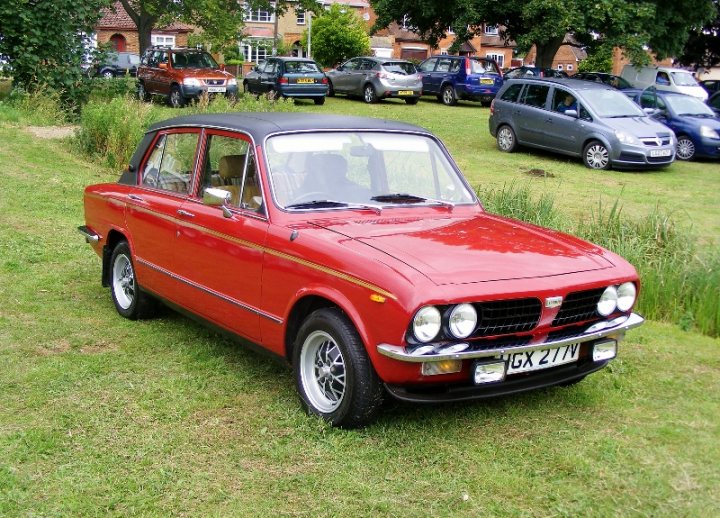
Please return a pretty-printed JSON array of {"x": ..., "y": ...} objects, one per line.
[
  {"x": 319, "y": 101},
  {"x": 369, "y": 95},
  {"x": 176, "y": 97},
  {"x": 448, "y": 96},
  {"x": 130, "y": 301},
  {"x": 685, "y": 149},
  {"x": 596, "y": 155},
  {"x": 333, "y": 373},
  {"x": 506, "y": 140},
  {"x": 331, "y": 90},
  {"x": 412, "y": 100}
]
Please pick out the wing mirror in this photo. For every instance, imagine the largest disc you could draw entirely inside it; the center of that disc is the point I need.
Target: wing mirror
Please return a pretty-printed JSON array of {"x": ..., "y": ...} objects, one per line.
[
  {"x": 571, "y": 113},
  {"x": 218, "y": 198}
]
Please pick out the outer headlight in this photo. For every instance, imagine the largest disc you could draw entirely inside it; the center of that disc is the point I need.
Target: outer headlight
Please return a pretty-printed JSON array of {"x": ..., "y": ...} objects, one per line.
[
  {"x": 608, "y": 301},
  {"x": 232, "y": 81},
  {"x": 462, "y": 321},
  {"x": 626, "y": 138},
  {"x": 427, "y": 323},
  {"x": 708, "y": 132},
  {"x": 191, "y": 81},
  {"x": 626, "y": 293}
]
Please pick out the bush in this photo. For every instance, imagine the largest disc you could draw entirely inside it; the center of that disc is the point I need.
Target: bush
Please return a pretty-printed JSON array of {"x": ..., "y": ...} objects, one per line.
[{"x": 42, "y": 107}]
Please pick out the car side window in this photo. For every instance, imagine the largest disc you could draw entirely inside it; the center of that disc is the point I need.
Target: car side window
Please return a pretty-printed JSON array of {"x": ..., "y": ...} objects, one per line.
[
  {"x": 270, "y": 67},
  {"x": 428, "y": 66},
  {"x": 455, "y": 65},
  {"x": 351, "y": 65},
  {"x": 536, "y": 95},
  {"x": 230, "y": 165},
  {"x": 443, "y": 65},
  {"x": 367, "y": 64},
  {"x": 563, "y": 101},
  {"x": 161, "y": 57},
  {"x": 171, "y": 162},
  {"x": 511, "y": 94}
]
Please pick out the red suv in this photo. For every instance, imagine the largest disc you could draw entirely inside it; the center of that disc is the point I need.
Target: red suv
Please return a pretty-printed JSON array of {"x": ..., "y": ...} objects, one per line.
[{"x": 181, "y": 74}]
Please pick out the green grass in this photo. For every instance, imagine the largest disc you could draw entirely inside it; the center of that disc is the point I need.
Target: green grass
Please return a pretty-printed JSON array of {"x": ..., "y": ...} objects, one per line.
[{"x": 101, "y": 415}]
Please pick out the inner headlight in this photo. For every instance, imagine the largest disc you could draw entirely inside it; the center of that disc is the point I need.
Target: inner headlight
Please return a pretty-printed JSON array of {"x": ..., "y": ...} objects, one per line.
[
  {"x": 608, "y": 301},
  {"x": 191, "y": 81},
  {"x": 626, "y": 293},
  {"x": 427, "y": 323},
  {"x": 462, "y": 321},
  {"x": 626, "y": 138},
  {"x": 708, "y": 132}
]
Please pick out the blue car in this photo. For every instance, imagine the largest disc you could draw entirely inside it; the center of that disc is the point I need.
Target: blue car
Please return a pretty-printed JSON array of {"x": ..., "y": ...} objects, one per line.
[
  {"x": 695, "y": 125},
  {"x": 298, "y": 78},
  {"x": 461, "y": 77}
]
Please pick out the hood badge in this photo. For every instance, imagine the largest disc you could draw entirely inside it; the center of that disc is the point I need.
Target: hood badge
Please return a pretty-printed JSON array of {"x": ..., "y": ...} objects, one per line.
[{"x": 553, "y": 302}]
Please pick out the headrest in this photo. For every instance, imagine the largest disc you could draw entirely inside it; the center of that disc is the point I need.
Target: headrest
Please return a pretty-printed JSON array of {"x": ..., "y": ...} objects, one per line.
[{"x": 231, "y": 166}]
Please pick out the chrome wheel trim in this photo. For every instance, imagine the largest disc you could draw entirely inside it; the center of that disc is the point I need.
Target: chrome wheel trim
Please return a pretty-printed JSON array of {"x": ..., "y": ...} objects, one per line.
[
  {"x": 505, "y": 138},
  {"x": 448, "y": 95},
  {"x": 685, "y": 148},
  {"x": 141, "y": 92},
  {"x": 175, "y": 98},
  {"x": 322, "y": 372},
  {"x": 597, "y": 156},
  {"x": 123, "y": 281},
  {"x": 369, "y": 94}
]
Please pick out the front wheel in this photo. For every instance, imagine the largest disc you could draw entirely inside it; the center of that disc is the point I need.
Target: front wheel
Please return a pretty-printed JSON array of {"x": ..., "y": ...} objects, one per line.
[
  {"x": 176, "y": 97},
  {"x": 685, "y": 149},
  {"x": 369, "y": 95},
  {"x": 333, "y": 373},
  {"x": 506, "y": 140},
  {"x": 142, "y": 93},
  {"x": 130, "y": 301},
  {"x": 448, "y": 96},
  {"x": 596, "y": 155}
]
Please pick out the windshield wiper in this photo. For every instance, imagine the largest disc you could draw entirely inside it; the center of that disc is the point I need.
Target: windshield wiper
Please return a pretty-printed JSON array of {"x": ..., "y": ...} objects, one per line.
[
  {"x": 695, "y": 115},
  {"x": 314, "y": 204},
  {"x": 410, "y": 198}
]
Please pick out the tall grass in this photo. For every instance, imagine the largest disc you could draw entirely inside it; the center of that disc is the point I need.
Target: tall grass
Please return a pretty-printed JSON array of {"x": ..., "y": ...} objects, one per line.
[
  {"x": 42, "y": 107},
  {"x": 679, "y": 285}
]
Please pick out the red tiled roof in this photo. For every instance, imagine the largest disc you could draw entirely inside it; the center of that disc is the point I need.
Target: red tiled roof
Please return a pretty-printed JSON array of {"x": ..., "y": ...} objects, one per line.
[{"x": 115, "y": 18}]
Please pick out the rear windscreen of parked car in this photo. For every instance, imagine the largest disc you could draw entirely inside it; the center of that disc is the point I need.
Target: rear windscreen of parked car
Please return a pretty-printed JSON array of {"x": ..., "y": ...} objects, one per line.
[
  {"x": 193, "y": 60},
  {"x": 300, "y": 67},
  {"x": 478, "y": 66},
  {"x": 398, "y": 67}
]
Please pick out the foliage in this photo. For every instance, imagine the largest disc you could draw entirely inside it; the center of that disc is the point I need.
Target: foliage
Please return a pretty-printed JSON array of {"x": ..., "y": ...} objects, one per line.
[
  {"x": 599, "y": 59},
  {"x": 703, "y": 46},
  {"x": 44, "y": 43},
  {"x": 39, "y": 107},
  {"x": 661, "y": 24},
  {"x": 338, "y": 34}
]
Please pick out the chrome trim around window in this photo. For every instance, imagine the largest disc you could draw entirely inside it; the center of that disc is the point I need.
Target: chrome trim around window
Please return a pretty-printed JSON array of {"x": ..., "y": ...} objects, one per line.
[{"x": 613, "y": 328}]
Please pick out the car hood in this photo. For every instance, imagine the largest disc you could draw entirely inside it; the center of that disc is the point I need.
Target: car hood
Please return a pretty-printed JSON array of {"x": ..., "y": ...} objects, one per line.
[
  {"x": 209, "y": 73},
  {"x": 637, "y": 126},
  {"x": 483, "y": 248}
]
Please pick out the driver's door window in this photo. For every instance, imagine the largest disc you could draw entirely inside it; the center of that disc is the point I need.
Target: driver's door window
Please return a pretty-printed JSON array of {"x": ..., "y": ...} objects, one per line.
[{"x": 171, "y": 163}]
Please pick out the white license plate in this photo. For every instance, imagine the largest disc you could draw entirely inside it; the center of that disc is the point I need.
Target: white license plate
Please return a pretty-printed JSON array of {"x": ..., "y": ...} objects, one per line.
[
  {"x": 541, "y": 358},
  {"x": 660, "y": 152},
  {"x": 216, "y": 89}
]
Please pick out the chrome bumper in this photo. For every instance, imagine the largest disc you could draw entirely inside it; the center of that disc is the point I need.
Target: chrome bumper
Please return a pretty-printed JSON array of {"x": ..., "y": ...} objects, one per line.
[
  {"x": 90, "y": 235},
  {"x": 614, "y": 329}
]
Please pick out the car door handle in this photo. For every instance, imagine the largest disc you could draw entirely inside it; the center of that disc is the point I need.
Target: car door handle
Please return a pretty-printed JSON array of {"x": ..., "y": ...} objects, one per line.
[
  {"x": 185, "y": 213},
  {"x": 135, "y": 197}
]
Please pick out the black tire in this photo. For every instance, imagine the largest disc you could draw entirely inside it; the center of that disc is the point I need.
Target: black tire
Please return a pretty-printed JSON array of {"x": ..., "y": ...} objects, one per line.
[
  {"x": 412, "y": 100},
  {"x": 333, "y": 374},
  {"x": 596, "y": 155},
  {"x": 506, "y": 140},
  {"x": 107, "y": 74},
  {"x": 448, "y": 96},
  {"x": 176, "y": 97},
  {"x": 369, "y": 95},
  {"x": 685, "y": 148},
  {"x": 246, "y": 87},
  {"x": 331, "y": 90},
  {"x": 143, "y": 94},
  {"x": 319, "y": 101},
  {"x": 129, "y": 299}
]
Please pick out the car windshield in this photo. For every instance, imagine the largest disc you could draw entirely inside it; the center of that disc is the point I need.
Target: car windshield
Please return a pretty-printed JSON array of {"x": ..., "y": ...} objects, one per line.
[
  {"x": 193, "y": 60},
  {"x": 686, "y": 105},
  {"x": 133, "y": 59},
  {"x": 479, "y": 66},
  {"x": 611, "y": 103},
  {"x": 301, "y": 67},
  {"x": 369, "y": 170},
  {"x": 683, "y": 79},
  {"x": 399, "y": 67}
]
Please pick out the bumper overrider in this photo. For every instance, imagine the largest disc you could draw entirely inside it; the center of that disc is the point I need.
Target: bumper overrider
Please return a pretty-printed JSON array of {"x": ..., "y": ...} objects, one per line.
[{"x": 491, "y": 381}]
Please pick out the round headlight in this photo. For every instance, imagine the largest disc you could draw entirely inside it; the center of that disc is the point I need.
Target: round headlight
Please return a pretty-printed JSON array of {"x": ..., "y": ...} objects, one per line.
[
  {"x": 626, "y": 293},
  {"x": 462, "y": 321},
  {"x": 608, "y": 301},
  {"x": 427, "y": 323}
]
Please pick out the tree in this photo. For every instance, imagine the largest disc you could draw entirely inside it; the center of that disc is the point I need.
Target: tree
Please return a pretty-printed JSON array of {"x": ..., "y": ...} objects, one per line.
[
  {"x": 45, "y": 41},
  {"x": 703, "y": 46},
  {"x": 632, "y": 24},
  {"x": 338, "y": 34}
]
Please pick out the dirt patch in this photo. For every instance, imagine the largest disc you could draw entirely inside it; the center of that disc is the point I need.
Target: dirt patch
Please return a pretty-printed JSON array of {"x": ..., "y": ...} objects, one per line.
[
  {"x": 539, "y": 173},
  {"x": 51, "y": 132}
]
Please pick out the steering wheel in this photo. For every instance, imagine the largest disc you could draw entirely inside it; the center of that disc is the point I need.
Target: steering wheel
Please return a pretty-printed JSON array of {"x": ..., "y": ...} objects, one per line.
[{"x": 309, "y": 196}]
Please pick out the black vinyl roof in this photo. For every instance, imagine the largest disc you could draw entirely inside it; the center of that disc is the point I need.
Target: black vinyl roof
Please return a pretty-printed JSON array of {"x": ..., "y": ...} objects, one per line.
[{"x": 260, "y": 125}]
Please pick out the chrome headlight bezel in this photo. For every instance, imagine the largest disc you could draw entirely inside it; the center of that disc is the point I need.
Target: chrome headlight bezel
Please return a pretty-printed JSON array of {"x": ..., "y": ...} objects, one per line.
[
  {"x": 462, "y": 320},
  {"x": 427, "y": 324},
  {"x": 191, "y": 81},
  {"x": 607, "y": 304},
  {"x": 626, "y": 296}
]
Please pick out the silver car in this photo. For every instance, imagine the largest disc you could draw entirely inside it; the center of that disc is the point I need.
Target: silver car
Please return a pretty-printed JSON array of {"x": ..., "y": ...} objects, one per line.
[
  {"x": 579, "y": 118},
  {"x": 376, "y": 78}
]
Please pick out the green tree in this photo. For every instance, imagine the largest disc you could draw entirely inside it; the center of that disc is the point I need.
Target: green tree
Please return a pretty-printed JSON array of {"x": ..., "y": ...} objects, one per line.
[
  {"x": 632, "y": 24},
  {"x": 45, "y": 42},
  {"x": 599, "y": 59},
  {"x": 703, "y": 46},
  {"x": 338, "y": 34}
]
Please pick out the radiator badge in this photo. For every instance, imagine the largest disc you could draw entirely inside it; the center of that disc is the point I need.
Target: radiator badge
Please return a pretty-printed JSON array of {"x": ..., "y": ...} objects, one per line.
[{"x": 553, "y": 302}]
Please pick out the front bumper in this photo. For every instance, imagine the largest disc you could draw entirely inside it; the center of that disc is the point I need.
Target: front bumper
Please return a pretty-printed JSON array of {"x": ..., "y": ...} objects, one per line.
[
  {"x": 197, "y": 91},
  {"x": 637, "y": 157}
]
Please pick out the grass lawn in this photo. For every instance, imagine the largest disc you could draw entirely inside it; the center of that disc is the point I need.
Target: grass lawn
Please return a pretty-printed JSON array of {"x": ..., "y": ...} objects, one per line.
[{"x": 101, "y": 415}]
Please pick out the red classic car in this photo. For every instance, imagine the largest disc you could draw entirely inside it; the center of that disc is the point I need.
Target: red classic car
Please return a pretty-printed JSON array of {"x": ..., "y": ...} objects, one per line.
[{"x": 355, "y": 250}]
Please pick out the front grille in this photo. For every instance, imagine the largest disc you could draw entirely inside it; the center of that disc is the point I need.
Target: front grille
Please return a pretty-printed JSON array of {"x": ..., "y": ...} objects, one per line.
[
  {"x": 659, "y": 158},
  {"x": 660, "y": 140},
  {"x": 578, "y": 306},
  {"x": 631, "y": 157},
  {"x": 504, "y": 317},
  {"x": 215, "y": 82}
]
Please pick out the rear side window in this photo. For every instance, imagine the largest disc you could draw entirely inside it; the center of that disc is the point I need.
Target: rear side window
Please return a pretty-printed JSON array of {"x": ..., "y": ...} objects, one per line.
[
  {"x": 428, "y": 66},
  {"x": 481, "y": 66},
  {"x": 300, "y": 67},
  {"x": 536, "y": 95},
  {"x": 512, "y": 93},
  {"x": 399, "y": 67}
]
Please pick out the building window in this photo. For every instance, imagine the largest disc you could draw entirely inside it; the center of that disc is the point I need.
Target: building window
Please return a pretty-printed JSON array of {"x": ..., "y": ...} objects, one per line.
[
  {"x": 300, "y": 17},
  {"x": 569, "y": 67},
  {"x": 499, "y": 58},
  {"x": 443, "y": 52},
  {"x": 560, "y": 66},
  {"x": 257, "y": 50},
  {"x": 491, "y": 30},
  {"x": 260, "y": 15},
  {"x": 162, "y": 40}
]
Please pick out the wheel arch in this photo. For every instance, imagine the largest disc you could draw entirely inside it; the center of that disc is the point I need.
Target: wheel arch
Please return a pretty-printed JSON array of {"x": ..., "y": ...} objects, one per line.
[
  {"x": 113, "y": 238},
  {"x": 591, "y": 138}
]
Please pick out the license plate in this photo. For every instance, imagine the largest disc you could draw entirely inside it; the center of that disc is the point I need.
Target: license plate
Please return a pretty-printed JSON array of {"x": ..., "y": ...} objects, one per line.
[
  {"x": 405, "y": 92},
  {"x": 305, "y": 80},
  {"x": 541, "y": 358},
  {"x": 660, "y": 152},
  {"x": 216, "y": 89},
  {"x": 487, "y": 81}
]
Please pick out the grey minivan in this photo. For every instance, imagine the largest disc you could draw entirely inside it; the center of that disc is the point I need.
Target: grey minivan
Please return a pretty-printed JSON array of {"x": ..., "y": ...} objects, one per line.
[{"x": 579, "y": 118}]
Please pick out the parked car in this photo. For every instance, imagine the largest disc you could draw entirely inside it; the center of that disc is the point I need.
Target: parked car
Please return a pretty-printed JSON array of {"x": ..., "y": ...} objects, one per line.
[
  {"x": 696, "y": 126},
  {"x": 714, "y": 103},
  {"x": 182, "y": 74},
  {"x": 116, "y": 64},
  {"x": 526, "y": 71},
  {"x": 711, "y": 86},
  {"x": 579, "y": 118},
  {"x": 354, "y": 249},
  {"x": 374, "y": 78},
  {"x": 461, "y": 77},
  {"x": 664, "y": 78},
  {"x": 601, "y": 77},
  {"x": 298, "y": 78}
]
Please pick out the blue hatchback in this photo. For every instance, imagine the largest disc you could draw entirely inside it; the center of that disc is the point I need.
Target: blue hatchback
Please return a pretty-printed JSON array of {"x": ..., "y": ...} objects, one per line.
[
  {"x": 696, "y": 126},
  {"x": 461, "y": 77}
]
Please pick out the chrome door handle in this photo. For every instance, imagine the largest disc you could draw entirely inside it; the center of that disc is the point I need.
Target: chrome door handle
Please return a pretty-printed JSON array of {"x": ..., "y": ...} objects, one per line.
[
  {"x": 135, "y": 197},
  {"x": 185, "y": 213}
]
